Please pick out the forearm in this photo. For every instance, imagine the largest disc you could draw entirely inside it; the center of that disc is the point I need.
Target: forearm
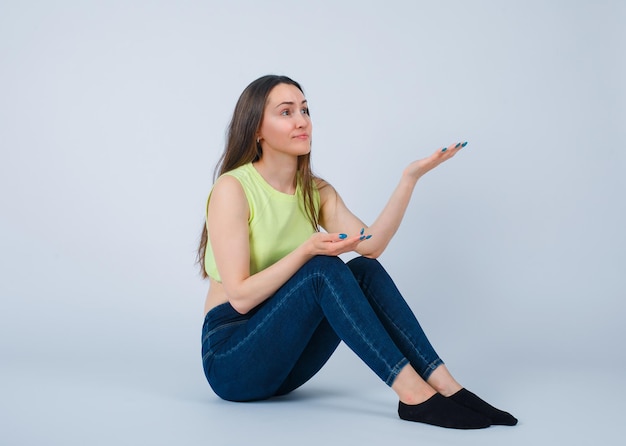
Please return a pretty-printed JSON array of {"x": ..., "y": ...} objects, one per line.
[
  {"x": 247, "y": 293},
  {"x": 385, "y": 226},
  {"x": 250, "y": 291}
]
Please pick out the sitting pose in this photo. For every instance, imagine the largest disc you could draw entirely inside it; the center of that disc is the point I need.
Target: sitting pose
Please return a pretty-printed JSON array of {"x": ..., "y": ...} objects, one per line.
[{"x": 280, "y": 299}]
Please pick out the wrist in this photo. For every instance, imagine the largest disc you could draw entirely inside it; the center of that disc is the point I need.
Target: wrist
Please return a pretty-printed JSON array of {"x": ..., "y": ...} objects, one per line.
[
  {"x": 307, "y": 250},
  {"x": 409, "y": 178}
]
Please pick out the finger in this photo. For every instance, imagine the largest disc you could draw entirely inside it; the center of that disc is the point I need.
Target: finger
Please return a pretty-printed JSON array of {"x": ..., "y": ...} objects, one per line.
[
  {"x": 439, "y": 153},
  {"x": 338, "y": 247},
  {"x": 353, "y": 240},
  {"x": 455, "y": 147},
  {"x": 344, "y": 238},
  {"x": 450, "y": 151},
  {"x": 333, "y": 245},
  {"x": 332, "y": 237},
  {"x": 451, "y": 147},
  {"x": 347, "y": 244}
]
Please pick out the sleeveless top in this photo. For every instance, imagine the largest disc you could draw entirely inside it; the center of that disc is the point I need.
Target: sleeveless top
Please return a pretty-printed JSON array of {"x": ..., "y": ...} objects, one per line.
[{"x": 277, "y": 225}]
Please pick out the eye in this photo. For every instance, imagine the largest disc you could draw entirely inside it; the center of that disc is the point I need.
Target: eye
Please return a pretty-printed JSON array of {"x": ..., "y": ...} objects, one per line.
[
  {"x": 285, "y": 112},
  {"x": 305, "y": 111}
]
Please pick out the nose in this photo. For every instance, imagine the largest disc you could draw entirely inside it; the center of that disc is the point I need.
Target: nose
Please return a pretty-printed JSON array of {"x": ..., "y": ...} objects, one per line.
[{"x": 301, "y": 120}]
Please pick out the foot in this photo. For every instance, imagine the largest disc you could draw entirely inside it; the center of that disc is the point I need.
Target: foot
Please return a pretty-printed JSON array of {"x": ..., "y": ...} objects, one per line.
[
  {"x": 441, "y": 411},
  {"x": 467, "y": 399}
]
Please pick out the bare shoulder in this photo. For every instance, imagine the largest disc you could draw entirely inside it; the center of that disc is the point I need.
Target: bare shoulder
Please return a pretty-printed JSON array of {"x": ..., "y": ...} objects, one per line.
[
  {"x": 228, "y": 195},
  {"x": 228, "y": 186},
  {"x": 326, "y": 190}
]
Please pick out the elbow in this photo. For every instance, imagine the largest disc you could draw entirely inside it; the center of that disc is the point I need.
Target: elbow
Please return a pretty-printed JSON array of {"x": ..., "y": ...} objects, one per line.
[
  {"x": 239, "y": 306},
  {"x": 370, "y": 254},
  {"x": 238, "y": 302},
  {"x": 373, "y": 250},
  {"x": 374, "y": 255}
]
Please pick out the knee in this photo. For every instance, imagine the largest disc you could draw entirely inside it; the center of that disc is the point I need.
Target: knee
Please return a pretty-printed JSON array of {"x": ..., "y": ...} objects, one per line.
[
  {"x": 327, "y": 267},
  {"x": 323, "y": 263},
  {"x": 364, "y": 264}
]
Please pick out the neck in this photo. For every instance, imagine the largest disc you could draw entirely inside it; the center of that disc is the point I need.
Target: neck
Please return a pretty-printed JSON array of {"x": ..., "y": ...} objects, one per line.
[{"x": 279, "y": 172}]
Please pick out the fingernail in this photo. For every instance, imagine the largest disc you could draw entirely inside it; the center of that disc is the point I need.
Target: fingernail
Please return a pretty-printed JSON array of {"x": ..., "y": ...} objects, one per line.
[
  {"x": 457, "y": 146},
  {"x": 362, "y": 231},
  {"x": 342, "y": 236},
  {"x": 444, "y": 149},
  {"x": 464, "y": 144},
  {"x": 362, "y": 237},
  {"x": 368, "y": 237}
]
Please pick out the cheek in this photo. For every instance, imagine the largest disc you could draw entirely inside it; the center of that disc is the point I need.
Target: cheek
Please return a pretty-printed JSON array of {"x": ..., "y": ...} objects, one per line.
[{"x": 272, "y": 129}]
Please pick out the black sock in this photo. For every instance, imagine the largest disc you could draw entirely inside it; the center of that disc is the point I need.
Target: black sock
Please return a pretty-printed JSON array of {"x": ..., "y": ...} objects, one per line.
[
  {"x": 466, "y": 398},
  {"x": 440, "y": 411}
]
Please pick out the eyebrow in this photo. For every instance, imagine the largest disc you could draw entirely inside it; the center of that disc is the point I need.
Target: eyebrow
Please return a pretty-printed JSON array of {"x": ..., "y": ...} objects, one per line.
[{"x": 290, "y": 103}]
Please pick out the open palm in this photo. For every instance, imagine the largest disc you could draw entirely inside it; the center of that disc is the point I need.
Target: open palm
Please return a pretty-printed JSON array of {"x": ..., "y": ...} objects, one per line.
[{"x": 420, "y": 167}]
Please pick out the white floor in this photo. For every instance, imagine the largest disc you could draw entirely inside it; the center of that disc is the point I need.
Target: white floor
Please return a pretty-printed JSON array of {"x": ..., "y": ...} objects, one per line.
[{"x": 119, "y": 401}]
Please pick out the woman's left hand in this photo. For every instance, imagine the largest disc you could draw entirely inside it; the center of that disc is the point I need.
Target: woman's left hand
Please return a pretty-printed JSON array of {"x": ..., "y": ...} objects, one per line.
[{"x": 418, "y": 168}]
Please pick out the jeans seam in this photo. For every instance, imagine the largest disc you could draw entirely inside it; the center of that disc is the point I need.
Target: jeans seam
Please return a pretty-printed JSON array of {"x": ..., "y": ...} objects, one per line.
[
  {"x": 226, "y": 325},
  {"x": 432, "y": 365},
  {"x": 263, "y": 321},
  {"x": 392, "y": 370},
  {"x": 431, "y": 368},
  {"x": 206, "y": 338},
  {"x": 357, "y": 329}
]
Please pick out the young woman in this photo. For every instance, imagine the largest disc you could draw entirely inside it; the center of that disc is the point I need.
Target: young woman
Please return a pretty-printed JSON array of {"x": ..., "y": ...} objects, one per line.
[{"x": 280, "y": 299}]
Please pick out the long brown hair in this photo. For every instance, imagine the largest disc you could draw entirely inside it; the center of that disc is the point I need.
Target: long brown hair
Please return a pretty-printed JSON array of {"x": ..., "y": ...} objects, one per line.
[{"x": 243, "y": 148}]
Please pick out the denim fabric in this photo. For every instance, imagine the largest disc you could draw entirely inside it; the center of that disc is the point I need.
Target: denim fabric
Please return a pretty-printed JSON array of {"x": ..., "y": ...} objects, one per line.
[{"x": 282, "y": 343}]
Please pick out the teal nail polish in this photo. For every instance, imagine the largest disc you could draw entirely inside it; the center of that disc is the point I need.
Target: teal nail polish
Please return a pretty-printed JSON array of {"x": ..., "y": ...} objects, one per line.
[
  {"x": 464, "y": 144},
  {"x": 457, "y": 146},
  {"x": 342, "y": 236},
  {"x": 444, "y": 149},
  {"x": 362, "y": 237},
  {"x": 362, "y": 231},
  {"x": 368, "y": 237}
]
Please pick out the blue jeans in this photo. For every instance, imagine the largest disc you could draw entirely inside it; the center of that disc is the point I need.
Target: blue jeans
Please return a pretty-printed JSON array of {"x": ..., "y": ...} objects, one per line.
[{"x": 282, "y": 343}]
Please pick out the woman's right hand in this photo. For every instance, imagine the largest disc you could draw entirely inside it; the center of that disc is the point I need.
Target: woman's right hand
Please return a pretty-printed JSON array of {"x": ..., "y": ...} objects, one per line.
[{"x": 333, "y": 244}]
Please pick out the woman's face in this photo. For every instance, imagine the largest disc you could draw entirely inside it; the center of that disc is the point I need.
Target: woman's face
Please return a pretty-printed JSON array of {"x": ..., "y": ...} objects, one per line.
[{"x": 286, "y": 124}]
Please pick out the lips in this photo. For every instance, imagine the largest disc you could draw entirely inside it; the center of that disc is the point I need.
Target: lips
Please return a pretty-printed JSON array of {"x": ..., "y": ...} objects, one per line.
[{"x": 302, "y": 136}]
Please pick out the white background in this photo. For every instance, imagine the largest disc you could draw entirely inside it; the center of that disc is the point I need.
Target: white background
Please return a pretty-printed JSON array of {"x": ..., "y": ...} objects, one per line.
[{"x": 112, "y": 117}]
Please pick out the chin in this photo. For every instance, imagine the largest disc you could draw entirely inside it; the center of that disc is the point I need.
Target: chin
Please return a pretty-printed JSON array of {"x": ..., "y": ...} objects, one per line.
[{"x": 302, "y": 151}]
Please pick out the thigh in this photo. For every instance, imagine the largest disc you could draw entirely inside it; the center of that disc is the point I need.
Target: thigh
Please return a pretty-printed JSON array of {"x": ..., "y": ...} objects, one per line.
[
  {"x": 318, "y": 351},
  {"x": 274, "y": 347}
]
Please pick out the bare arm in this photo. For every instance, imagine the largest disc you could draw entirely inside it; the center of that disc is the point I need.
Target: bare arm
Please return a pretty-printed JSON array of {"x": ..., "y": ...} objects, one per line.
[
  {"x": 227, "y": 219},
  {"x": 336, "y": 216}
]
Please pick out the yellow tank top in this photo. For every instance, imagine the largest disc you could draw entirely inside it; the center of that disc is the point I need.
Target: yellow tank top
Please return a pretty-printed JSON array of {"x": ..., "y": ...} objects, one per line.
[{"x": 277, "y": 225}]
